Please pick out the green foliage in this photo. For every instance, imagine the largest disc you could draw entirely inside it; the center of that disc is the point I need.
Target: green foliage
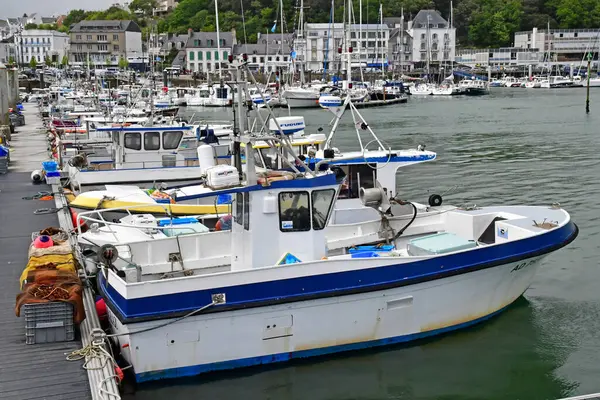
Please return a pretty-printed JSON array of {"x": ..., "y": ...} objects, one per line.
[
  {"x": 74, "y": 17},
  {"x": 123, "y": 63},
  {"x": 48, "y": 61},
  {"x": 494, "y": 22},
  {"x": 65, "y": 61},
  {"x": 11, "y": 60},
  {"x": 31, "y": 26},
  {"x": 33, "y": 62}
]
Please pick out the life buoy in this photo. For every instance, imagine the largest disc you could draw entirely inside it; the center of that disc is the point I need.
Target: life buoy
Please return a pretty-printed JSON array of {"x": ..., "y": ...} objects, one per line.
[{"x": 75, "y": 218}]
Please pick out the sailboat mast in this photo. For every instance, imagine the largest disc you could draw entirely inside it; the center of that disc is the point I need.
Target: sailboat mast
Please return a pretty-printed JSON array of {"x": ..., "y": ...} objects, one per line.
[
  {"x": 348, "y": 54},
  {"x": 381, "y": 38},
  {"x": 450, "y": 43},
  {"x": 401, "y": 41},
  {"x": 218, "y": 37},
  {"x": 359, "y": 41},
  {"x": 428, "y": 48}
]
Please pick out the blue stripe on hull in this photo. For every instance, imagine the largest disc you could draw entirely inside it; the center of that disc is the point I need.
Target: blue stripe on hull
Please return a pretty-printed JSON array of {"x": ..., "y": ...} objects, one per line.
[
  {"x": 282, "y": 357},
  {"x": 336, "y": 284}
]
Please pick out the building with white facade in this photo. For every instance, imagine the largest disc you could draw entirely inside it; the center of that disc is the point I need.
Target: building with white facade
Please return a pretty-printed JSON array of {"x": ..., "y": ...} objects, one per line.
[
  {"x": 105, "y": 42},
  {"x": 8, "y": 50},
  {"x": 38, "y": 44},
  {"x": 399, "y": 45},
  {"x": 164, "y": 7},
  {"x": 564, "y": 45},
  {"x": 204, "y": 53},
  {"x": 433, "y": 39},
  {"x": 499, "y": 58},
  {"x": 269, "y": 52}
]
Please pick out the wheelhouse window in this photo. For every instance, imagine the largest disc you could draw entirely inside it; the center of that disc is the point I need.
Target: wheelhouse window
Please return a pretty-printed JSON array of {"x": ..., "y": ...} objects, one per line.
[
  {"x": 294, "y": 211},
  {"x": 246, "y": 211},
  {"x": 133, "y": 140},
  {"x": 357, "y": 176},
  {"x": 171, "y": 139},
  {"x": 239, "y": 209},
  {"x": 321, "y": 205},
  {"x": 152, "y": 140}
]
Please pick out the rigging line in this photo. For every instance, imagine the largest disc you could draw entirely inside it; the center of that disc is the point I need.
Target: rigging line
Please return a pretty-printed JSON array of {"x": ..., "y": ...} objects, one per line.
[{"x": 244, "y": 26}]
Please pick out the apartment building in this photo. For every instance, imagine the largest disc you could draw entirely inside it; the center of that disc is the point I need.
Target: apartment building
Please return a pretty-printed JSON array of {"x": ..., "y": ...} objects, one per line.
[
  {"x": 105, "y": 42},
  {"x": 399, "y": 45},
  {"x": 204, "y": 54},
  {"x": 369, "y": 44},
  {"x": 269, "y": 52},
  {"x": 38, "y": 44},
  {"x": 433, "y": 38},
  {"x": 564, "y": 45},
  {"x": 164, "y": 7}
]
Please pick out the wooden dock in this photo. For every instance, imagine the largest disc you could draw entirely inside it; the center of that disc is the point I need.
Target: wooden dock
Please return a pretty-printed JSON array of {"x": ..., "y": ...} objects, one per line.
[{"x": 38, "y": 371}]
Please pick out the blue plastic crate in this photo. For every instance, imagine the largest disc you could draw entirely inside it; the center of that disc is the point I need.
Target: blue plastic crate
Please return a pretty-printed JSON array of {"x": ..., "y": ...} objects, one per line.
[
  {"x": 50, "y": 166},
  {"x": 362, "y": 249},
  {"x": 366, "y": 254}
]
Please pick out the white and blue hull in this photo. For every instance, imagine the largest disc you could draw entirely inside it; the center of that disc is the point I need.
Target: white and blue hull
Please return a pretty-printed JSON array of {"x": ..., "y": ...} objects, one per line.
[{"x": 234, "y": 339}]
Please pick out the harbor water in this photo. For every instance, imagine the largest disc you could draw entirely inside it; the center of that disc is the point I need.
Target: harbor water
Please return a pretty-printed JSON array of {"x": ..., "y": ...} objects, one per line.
[{"x": 515, "y": 146}]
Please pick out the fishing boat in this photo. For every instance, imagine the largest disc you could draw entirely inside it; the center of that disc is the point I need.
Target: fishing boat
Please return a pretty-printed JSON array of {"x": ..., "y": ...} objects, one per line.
[{"x": 474, "y": 87}]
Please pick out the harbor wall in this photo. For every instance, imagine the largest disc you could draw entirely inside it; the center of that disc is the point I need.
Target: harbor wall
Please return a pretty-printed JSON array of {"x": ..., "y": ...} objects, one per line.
[{"x": 4, "y": 95}]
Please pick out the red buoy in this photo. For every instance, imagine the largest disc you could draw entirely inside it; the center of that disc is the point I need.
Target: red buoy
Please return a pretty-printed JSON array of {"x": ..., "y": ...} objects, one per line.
[{"x": 101, "y": 309}]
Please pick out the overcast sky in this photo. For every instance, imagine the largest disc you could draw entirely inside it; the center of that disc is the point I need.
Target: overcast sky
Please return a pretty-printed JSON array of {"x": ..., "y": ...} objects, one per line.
[{"x": 15, "y": 8}]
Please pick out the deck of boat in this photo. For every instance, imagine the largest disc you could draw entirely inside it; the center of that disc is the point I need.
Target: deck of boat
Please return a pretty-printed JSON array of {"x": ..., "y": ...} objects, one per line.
[{"x": 37, "y": 371}]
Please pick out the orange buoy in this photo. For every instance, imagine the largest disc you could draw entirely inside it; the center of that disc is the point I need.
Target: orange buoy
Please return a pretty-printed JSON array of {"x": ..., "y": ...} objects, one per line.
[
  {"x": 119, "y": 373},
  {"x": 43, "y": 242}
]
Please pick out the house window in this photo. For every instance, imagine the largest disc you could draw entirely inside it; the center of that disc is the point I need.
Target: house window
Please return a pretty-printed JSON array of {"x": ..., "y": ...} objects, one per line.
[
  {"x": 102, "y": 47},
  {"x": 115, "y": 37},
  {"x": 208, "y": 55},
  {"x": 294, "y": 212},
  {"x": 422, "y": 36},
  {"x": 222, "y": 42},
  {"x": 225, "y": 54},
  {"x": 434, "y": 36},
  {"x": 199, "y": 56},
  {"x": 89, "y": 46},
  {"x": 192, "y": 56},
  {"x": 353, "y": 44},
  {"x": 353, "y": 35},
  {"x": 102, "y": 38},
  {"x": 262, "y": 60},
  {"x": 196, "y": 43},
  {"x": 254, "y": 60},
  {"x": 216, "y": 56},
  {"x": 364, "y": 35},
  {"x": 446, "y": 55},
  {"x": 133, "y": 141},
  {"x": 77, "y": 37},
  {"x": 89, "y": 37},
  {"x": 171, "y": 139},
  {"x": 116, "y": 47},
  {"x": 152, "y": 140},
  {"x": 371, "y": 35},
  {"x": 446, "y": 36},
  {"x": 321, "y": 205}
]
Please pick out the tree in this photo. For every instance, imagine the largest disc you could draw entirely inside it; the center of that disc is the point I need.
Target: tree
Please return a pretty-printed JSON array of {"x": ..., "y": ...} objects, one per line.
[
  {"x": 123, "y": 63},
  {"x": 65, "y": 61},
  {"x": 11, "y": 60},
  {"x": 74, "y": 17},
  {"x": 48, "y": 61},
  {"x": 33, "y": 63},
  {"x": 494, "y": 23},
  {"x": 31, "y": 26}
]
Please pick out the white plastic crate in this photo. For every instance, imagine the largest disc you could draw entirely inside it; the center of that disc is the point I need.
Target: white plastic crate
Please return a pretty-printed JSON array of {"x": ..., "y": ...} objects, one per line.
[{"x": 48, "y": 322}]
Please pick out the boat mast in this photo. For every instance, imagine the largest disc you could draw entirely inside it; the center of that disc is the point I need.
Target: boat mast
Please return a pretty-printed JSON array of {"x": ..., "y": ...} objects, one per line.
[
  {"x": 301, "y": 41},
  {"x": 359, "y": 41},
  {"x": 348, "y": 54},
  {"x": 401, "y": 42},
  {"x": 218, "y": 37},
  {"x": 449, "y": 47},
  {"x": 381, "y": 38},
  {"x": 428, "y": 48}
]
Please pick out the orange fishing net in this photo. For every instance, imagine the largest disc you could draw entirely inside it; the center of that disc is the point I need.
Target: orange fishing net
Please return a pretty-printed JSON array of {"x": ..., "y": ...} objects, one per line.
[{"x": 47, "y": 284}]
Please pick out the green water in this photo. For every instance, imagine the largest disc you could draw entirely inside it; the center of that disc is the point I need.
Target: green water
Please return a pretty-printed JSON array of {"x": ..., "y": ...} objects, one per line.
[{"x": 516, "y": 146}]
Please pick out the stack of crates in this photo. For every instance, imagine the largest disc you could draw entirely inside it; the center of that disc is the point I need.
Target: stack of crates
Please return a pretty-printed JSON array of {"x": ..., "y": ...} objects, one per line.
[{"x": 48, "y": 322}]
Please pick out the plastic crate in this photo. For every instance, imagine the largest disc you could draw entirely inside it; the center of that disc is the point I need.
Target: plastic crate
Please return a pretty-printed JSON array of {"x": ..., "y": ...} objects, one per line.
[{"x": 48, "y": 322}]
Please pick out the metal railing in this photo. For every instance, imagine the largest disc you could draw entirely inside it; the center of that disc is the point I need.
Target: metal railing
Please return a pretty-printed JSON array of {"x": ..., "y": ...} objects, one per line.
[{"x": 593, "y": 396}]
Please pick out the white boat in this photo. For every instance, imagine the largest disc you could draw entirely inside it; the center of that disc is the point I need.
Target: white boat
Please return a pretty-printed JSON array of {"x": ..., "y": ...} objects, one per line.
[
  {"x": 302, "y": 97},
  {"x": 422, "y": 89},
  {"x": 246, "y": 302}
]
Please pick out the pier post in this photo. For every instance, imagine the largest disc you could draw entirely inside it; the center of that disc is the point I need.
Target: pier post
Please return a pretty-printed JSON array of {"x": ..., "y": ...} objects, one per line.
[
  {"x": 587, "y": 97},
  {"x": 3, "y": 95}
]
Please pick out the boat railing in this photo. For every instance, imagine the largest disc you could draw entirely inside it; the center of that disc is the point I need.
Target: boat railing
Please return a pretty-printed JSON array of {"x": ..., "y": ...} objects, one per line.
[
  {"x": 88, "y": 218},
  {"x": 593, "y": 396},
  {"x": 150, "y": 164}
]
